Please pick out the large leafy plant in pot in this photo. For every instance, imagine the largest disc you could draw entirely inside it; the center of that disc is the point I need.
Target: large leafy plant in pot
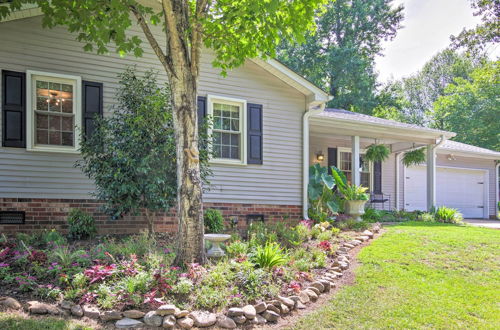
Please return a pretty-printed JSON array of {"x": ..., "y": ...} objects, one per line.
[
  {"x": 322, "y": 201},
  {"x": 355, "y": 196}
]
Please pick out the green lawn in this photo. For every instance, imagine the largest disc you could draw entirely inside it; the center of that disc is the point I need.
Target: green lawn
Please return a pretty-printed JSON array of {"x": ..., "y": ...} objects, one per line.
[
  {"x": 12, "y": 321},
  {"x": 420, "y": 276}
]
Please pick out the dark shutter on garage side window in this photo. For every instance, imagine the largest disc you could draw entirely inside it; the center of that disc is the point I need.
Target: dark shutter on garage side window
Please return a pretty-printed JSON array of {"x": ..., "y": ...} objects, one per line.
[
  {"x": 377, "y": 177},
  {"x": 92, "y": 105},
  {"x": 14, "y": 109},
  {"x": 332, "y": 159},
  {"x": 255, "y": 136}
]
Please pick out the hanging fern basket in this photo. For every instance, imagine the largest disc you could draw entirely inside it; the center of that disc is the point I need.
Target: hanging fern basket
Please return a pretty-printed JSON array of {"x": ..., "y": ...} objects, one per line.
[
  {"x": 414, "y": 157},
  {"x": 377, "y": 153}
]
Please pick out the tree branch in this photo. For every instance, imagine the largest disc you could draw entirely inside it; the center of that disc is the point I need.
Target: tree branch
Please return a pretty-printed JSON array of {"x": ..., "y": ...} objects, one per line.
[
  {"x": 167, "y": 64},
  {"x": 196, "y": 35}
]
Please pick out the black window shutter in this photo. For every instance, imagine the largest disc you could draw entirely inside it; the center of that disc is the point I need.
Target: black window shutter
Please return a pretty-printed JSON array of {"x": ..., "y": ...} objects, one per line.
[
  {"x": 332, "y": 158},
  {"x": 377, "y": 177},
  {"x": 255, "y": 136},
  {"x": 202, "y": 110},
  {"x": 14, "y": 109},
  {"x": 92, "y": 104}
]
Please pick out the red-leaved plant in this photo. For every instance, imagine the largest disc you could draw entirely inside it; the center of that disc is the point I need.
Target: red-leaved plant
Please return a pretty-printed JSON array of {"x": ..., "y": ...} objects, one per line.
[
  {"x": 99, "y": 272},
  {"x": 325, "y": 246},
  {"x": 38, "y": 257}
]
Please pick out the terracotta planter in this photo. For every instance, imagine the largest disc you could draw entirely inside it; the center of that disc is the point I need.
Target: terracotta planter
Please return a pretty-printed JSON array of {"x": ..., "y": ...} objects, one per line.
[{"x": 355, "y": 208}]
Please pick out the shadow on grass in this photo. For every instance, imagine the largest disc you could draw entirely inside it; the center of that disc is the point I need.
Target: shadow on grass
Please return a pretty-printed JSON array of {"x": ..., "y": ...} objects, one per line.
[{"x": 11, "y": 321}]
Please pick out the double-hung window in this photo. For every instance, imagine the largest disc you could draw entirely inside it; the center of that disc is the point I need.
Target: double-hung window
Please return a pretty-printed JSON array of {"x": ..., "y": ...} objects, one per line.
[
  {"x": 53, "y": 112},
  {"x": 228, "y": 129},
  {"x": 345, "y": 165}
]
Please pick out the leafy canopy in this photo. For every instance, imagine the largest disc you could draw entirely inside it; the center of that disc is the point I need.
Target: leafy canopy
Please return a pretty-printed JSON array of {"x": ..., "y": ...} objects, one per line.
[
  {"x": 340, "y": 55},
  {"x": 233, "y": 29},
  {"x": 471, "y": 108}
]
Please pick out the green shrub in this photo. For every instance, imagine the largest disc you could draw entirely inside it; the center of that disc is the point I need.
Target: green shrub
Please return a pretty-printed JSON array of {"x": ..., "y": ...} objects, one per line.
[
  {"x": 214, "y": 222},
  {"x": 81, "y": 224},
  {"x": 351, "y": 224},
  {"x": 260, "y": 234},
  {"x": 325, "y": 236},
  {"x": 269, "y": 256},
  {"x": 448, "y": 215},
  {"x": 183, "y": 287},
  {"x": 427, "y": 217},
  {"x": 303, "y": 232},
  {"x": 237, "y": 248},
  {"x": 372, "y": 215}
]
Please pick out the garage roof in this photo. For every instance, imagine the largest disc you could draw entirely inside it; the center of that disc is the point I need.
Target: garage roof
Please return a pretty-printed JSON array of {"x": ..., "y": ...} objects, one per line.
[{"x": 459, "y": 147}]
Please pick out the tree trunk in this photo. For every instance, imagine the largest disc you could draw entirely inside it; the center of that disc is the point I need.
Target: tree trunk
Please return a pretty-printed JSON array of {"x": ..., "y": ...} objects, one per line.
[
  {"x": 189, "y": 185},
  {"x": 150, "y": 220}
]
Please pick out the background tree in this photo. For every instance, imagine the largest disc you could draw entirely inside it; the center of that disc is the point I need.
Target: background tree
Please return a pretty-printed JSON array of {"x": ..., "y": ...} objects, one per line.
[
  {"x": 234, "y": 30},
  {"x": 340, "y": 56},
  {"x": 131, "y": 154},
  {"x": 413, "y": 97},
  {"x": 476, "y": 40},
  {"x": 471, "y": 108}
]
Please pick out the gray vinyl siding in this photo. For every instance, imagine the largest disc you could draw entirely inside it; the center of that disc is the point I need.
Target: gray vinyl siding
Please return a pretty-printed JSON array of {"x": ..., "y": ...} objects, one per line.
[{"x": 26, "y": 46}]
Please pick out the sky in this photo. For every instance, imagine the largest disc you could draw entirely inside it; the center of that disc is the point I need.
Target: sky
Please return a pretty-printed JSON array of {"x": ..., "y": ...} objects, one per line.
[{"x": 427, "y": 27}]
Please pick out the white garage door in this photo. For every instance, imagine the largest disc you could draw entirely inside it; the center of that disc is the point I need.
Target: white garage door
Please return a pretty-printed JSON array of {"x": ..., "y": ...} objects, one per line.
[{"x": 462, "y": 189}]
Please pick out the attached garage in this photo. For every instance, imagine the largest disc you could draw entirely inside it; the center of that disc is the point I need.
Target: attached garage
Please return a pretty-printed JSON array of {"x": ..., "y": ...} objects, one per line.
[{"x": 461, "y": 188}]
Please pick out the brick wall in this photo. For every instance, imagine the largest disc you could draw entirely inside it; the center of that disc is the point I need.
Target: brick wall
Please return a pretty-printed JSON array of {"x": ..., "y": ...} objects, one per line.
[{"x": 52, "y": 214}]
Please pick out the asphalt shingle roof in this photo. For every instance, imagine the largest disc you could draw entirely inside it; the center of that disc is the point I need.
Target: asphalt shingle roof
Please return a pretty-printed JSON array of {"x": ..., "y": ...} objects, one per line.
[{"x": 462, "y": 147}]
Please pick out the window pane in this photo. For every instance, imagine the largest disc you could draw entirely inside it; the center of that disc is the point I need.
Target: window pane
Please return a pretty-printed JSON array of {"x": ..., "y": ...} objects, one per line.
[
  {"x": 67, "y": 139},
  {"x": 365, "y": 180},
  {"x": 67, "y": 106},
  {"x": 226, "y": 138},
  {"x": 55, "y": 137},
  {"x": 236, "y": 113},
  {"x": 235, "y": 125},
  {"x": 54, "y": 105},
  {"x": 42, "y": 103},
  {"x": 42, "y": 136},
  {"x": 55, "y": 123},
  {"x": 225, "y": 152},
  {"x": 235, "y": 139},
  {"x": 54, "y": 86},
  {"x": 67, "y": 88},
  {"x": 235, "y": 153},
  {"x": 67, "y": 124},
  {"x": 225, "y": 124},
  {"x": 217, "y": 137},
  {"x": 42, "y": 84},
  {"x": 226, "y": 114},
  {"x": 42, "y": 121}
]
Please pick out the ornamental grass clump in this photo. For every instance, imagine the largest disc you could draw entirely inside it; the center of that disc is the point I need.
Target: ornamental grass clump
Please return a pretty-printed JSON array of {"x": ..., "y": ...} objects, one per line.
[
  {"x": 448, "y": 215},
  {"x": 269, "y": 256}
]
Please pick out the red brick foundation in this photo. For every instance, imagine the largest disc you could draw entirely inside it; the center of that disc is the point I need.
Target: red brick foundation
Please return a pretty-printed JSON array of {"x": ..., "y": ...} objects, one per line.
[{"x": 52, "y": 214}]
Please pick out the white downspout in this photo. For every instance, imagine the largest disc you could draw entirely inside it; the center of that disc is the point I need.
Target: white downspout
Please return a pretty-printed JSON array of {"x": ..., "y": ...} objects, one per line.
[
  {"x": 305, "y": 153},
  {"x": 431, "y": 173}
]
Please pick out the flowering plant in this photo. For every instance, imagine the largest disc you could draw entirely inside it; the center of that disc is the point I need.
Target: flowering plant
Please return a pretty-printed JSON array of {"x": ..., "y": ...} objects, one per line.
[{"x": 325, "y": 246}]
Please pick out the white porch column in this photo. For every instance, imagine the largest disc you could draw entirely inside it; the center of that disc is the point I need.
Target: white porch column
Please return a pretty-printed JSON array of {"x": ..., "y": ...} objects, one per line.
[
  {"x": 431, "y": 176},
  {"x": 356, "y": 179}
]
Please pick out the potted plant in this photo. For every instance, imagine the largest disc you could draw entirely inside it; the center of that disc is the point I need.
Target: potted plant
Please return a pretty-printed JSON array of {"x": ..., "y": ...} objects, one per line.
[{"x": 355, "y": 196}]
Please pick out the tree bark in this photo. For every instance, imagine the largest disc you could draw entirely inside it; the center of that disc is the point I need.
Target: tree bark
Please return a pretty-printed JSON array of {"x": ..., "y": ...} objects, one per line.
[{"x": 189, "y": 185}]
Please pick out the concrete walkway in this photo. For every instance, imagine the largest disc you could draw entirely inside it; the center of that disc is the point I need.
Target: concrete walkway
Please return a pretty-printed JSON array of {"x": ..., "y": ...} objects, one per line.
[{"x": 494, "y": 224}]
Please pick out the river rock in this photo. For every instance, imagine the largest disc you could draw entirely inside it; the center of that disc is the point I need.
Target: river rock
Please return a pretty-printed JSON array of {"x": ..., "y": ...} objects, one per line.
[
  {"x": 10, "y": 303},
  {"x": 225, "y": 322},
  {"x": 260, "y": 320},
  {"x": 318, "y": 285},
  {"x": 235, "y": 311},
  {"x": 77, "y": 310},
  {"x": 284, "y": 309},
  {"x": 65, "y": 304},
  {"x": 249, "y": 311},
  {"x": 260, "y": 307},
  {"x": 203, "y": 319},
  {"x": 239, "y": 319},
  {"x": 127, "y": 323},
  {"x": 168, "y": 322},
  {"x": 185, "y": 323},
  {"x": 166, "y": 310},
  {"x": 312, "y": 295},
  {"x": 304, "y": 297},
  {"x": 314, "y": 289},
  {"x": 36, "y": 307},
  {"x": 153, "y": 319},
  {"x": 287, "y": 301},
  {"x": 368, "y": 233},
  {"x": 300, "y": 305},
  {"x": 111, "y": 316},
  {"x": 271, "y": 307},
  {"x": 91, "y": 312},
  {"x": 133, "y": 314},
  {"x": 270, "y": 316},
  {"x": 181, "y": 313}
]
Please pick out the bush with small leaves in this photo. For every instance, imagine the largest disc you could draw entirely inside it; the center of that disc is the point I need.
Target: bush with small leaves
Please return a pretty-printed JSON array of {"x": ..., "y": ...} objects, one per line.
[
  {"x": 81, "y": 224},
  {"x": 214, "y": 222}
]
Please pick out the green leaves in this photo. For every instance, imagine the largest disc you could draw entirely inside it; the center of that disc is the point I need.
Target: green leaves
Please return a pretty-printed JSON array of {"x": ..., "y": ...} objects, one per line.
[
  {"x": 377, "y": 153},
  {"x": 414, "y": 157}
]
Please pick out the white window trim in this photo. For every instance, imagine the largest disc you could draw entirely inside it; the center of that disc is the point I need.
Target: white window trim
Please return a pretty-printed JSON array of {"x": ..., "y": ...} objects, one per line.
[
  {"x": 243, "y": 127},
  {"x": 30, "y": 136},
  {"x": 361, "y": 152}
]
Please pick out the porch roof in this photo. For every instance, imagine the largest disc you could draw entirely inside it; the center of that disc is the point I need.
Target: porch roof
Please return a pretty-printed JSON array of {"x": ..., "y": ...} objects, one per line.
[{"x": 343, "y": 122}]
